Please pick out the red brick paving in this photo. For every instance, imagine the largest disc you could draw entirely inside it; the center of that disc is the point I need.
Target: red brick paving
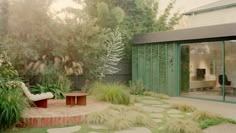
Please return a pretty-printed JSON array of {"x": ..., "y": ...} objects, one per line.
[{"x": 59, "y": 114}]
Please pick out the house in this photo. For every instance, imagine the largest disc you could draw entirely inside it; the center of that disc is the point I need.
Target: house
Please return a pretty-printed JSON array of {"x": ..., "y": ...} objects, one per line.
[
  {"x": 195, "y": 62},
  {"x": 219, "y": 12}
]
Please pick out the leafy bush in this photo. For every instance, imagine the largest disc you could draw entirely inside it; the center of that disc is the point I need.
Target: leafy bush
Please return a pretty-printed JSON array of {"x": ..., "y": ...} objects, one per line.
[
  {"x": 7, "y": 71},
  {"x": 136, "y": 87},
  {"x": 113, "y": 93},
  {"x": 119, "y": 117},
  {"x": 182, "y": 126},
  {"x": 184, "y": 107},
  {"x": 52, "y": 80},
  {"x": 153, "y": 94},
  {"x": 12, "y": 104}
]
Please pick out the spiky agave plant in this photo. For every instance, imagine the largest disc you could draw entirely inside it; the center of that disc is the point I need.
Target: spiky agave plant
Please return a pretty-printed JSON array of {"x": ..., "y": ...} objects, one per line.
[{"x": 114, "y": 48}]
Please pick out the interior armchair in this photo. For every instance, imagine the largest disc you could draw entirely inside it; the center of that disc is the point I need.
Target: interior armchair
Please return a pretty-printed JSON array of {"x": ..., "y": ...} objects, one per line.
[{"x": 227, "y": 82}]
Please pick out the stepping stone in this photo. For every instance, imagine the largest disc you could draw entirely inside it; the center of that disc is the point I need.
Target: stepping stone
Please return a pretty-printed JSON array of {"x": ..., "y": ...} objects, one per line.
[
  {"x": 157, "y": 115},
  {"x": 97, "y": 127},
  {"x": 157, "y": 120},
  {"x": 189, "y": 114},
  {"x": 136, "y": 130},
  {"x": 176, "y": 115},
  {"x": 148, "y": 97},
  {"x": 162, "y": 106},
  {"x": 173, "y": 111},
  {"x": 64, "y": 130},
  {"x": 138, "y": 104},
  {"x": 153, "y": 109},
  {"x": 153, "y": 102}
]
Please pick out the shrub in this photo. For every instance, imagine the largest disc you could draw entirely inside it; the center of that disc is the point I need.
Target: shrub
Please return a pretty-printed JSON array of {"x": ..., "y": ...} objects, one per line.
[
  {"x": 113, "y": 93},
  {"x": 52, "y": 80},
  {"x": 136, "y": 87},
  {"x": 182, "y": 126},
  {"x": 12, "y": 104},
  {"x": 203, "y": 115},
  {"x": 120, "y": 117},
  {"x": 153, "y": 94},
  {"x": 7, "y": 71},
  {"x": 184, "y": 107}
]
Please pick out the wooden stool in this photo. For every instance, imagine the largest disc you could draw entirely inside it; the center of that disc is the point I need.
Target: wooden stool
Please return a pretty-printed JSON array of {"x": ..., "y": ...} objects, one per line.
[{"x": 71, "y": 98}]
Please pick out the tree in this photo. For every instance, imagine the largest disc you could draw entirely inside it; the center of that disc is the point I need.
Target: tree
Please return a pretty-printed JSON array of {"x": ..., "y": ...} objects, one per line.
[
  {"x": 4, "y": 17},
  {"x": 140, "y": 16}
]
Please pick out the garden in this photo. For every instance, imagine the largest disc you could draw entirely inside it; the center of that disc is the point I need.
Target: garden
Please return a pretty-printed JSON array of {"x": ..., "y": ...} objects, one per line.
[{"x": 41, "y": 51}]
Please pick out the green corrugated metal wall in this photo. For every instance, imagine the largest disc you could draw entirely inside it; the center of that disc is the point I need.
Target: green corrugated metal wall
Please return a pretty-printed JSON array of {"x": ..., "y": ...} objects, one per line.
[{"x": 157, "y": 66}]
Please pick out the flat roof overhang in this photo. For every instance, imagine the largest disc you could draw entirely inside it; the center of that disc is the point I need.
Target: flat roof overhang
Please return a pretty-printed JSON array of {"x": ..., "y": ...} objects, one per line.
[{"x": 192, "y": 35}]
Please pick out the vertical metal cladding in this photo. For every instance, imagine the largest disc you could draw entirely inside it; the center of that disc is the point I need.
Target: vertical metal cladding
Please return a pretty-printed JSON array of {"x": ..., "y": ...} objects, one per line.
[{"x": 157, "y": 66}]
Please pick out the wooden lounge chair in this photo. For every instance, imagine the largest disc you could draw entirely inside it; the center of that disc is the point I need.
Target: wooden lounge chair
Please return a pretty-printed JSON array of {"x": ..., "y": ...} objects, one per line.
[{"x": 40, "y": 100}]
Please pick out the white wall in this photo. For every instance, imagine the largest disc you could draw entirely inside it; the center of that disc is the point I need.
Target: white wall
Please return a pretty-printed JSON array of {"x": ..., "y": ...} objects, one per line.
[{"x": 217, "y": 17}]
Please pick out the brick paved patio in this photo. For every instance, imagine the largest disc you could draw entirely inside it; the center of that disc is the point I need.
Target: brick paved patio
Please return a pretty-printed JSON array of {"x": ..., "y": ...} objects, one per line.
[{"x": 59, "y": 114}]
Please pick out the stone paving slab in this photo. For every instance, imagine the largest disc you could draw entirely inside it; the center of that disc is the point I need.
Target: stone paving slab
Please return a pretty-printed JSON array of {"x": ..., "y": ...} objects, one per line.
[
  {"x": 153, "y": 109},
  {"x": 157, "y": 120},
  {"x": 151, "y": 102},
  {"x": 97, "y": 127},
  {"x": 136, "y": 130},
  {"x": 176, "y": 115},
  {"x": 162, "y": 105},
  {"x": 64, "y": 130},
  {"x": 157, "y": 115},
  {"x": 173, "y": 111}
]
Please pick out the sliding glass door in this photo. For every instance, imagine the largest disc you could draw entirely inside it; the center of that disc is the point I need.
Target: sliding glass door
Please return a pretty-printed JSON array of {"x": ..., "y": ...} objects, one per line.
[
  {"x": 201, "y": 67},
  {"x": 230, "y": 71}
]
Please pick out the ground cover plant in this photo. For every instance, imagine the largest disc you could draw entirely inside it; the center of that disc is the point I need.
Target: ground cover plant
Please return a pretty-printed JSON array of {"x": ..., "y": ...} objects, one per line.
[
  {"x": 184, "y": 107},
  {"x": 207, "y": 119},
  {"x": 120, "y": 117},
  {"x": 111, "y": 92},
  {"x": 182, "y": 126},
  {"x": 136, "y": 88},
  {"x": 157, "y": 95}
]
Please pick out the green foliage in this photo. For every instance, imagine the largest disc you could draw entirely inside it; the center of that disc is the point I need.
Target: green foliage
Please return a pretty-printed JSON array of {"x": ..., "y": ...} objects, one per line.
[
  {"x": 153, "y": 94},
  {"x": 12, "y": 104},
  {"x": 52, "y": 80},
  {"x": 210, "y": 122},
  {"x": 112, "y": 54},
  {"x": 182, "y": 126},
  {"x": 207, "y": 119},
  {"x": 113, "y": 93},
  {"x": 136, "y": 87},
  {"x": 120, "y": 117},
  {"x": 139, "y": 17},
  {"x": 7, "y": 71},
  {"x": 184, "y": 107}
]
